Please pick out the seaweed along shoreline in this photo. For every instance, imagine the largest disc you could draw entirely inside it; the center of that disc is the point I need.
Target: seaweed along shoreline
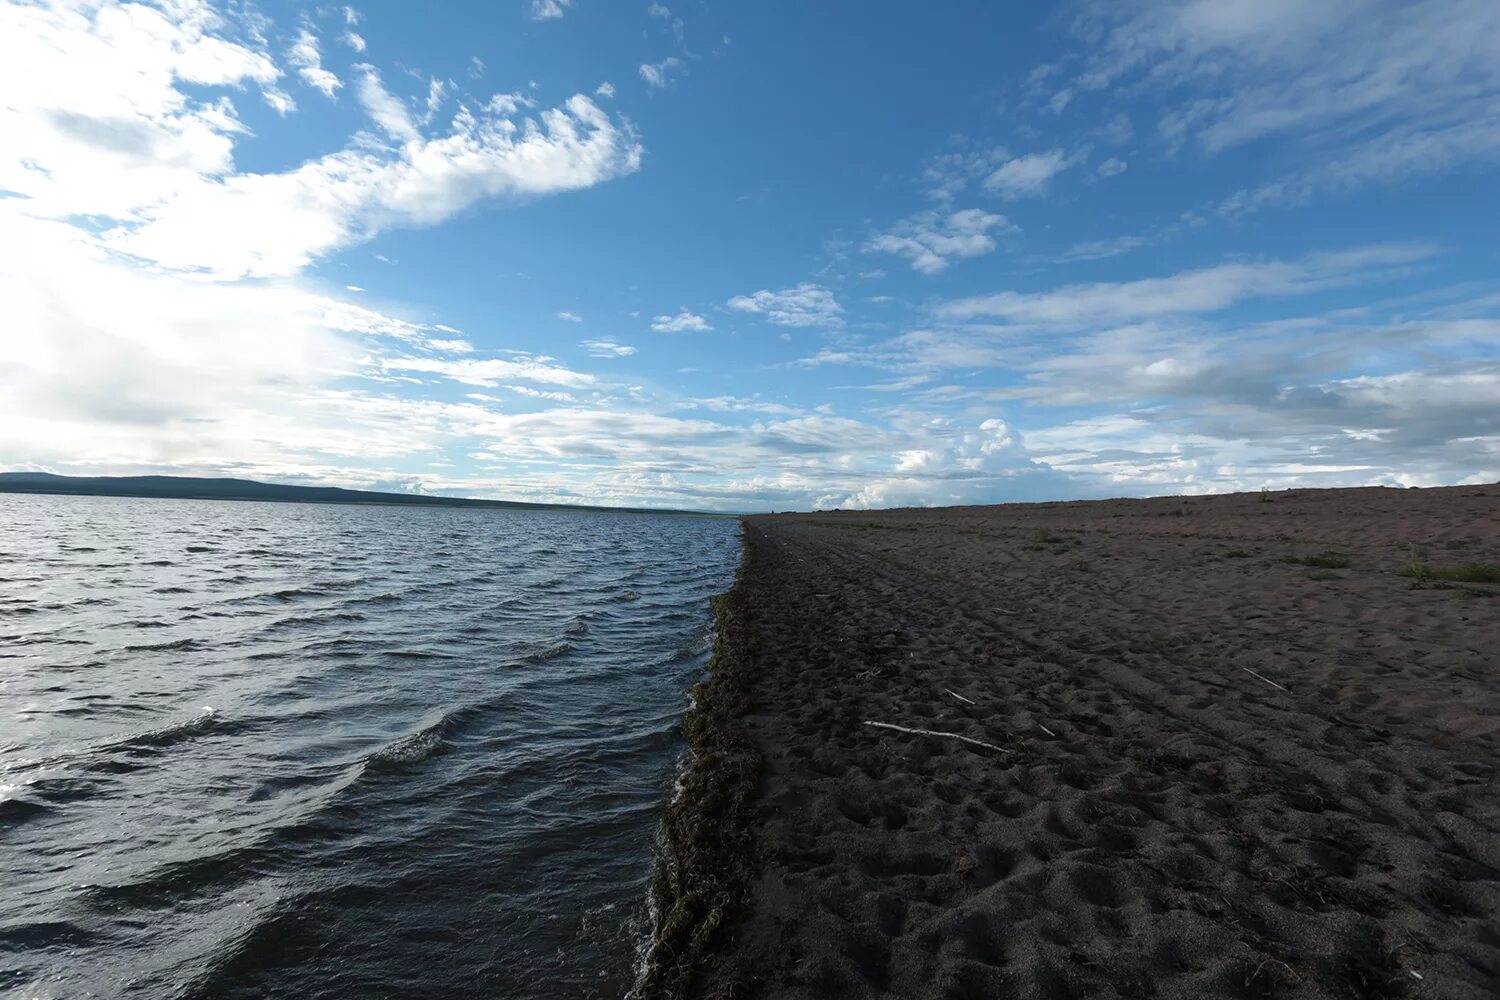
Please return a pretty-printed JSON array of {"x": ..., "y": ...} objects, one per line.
[{"x": 702, "y": 876}]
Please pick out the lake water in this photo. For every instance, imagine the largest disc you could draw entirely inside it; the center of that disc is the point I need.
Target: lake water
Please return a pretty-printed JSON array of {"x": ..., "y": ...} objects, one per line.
[{"x": 287, "y": 750}]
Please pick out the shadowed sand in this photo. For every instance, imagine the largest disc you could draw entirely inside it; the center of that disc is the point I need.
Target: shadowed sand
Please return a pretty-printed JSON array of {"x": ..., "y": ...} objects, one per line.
[{"x": 1224, "y": 768}]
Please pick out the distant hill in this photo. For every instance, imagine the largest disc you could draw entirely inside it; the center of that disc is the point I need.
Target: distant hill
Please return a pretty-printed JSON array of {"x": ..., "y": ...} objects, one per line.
[{"x": 191, "y": 488}]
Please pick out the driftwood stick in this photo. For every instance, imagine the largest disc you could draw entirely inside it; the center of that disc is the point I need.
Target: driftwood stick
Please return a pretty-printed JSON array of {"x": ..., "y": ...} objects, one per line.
[
  {"x": 1046, "y": 730},
  {"x": 966, "y": 701},
  {"x": 1268, "y": 680},
  {"x": 933, "y": 732}
]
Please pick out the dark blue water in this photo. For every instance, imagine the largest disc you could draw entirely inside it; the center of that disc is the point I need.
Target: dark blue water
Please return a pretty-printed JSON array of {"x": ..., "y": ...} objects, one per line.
[{"x": 285, "y": 750}]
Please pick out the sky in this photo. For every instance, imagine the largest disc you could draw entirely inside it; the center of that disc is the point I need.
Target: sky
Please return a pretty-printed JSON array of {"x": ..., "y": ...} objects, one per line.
[{"x": 730, "y": 256}]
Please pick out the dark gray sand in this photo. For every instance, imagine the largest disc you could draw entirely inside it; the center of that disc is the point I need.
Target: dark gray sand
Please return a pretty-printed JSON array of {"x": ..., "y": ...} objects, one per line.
[{"x": 1221, "y": 772}]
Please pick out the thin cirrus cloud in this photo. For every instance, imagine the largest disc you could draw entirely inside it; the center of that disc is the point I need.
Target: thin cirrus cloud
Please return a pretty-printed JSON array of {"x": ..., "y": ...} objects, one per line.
[
  {"x": 1375, "y": 92},
  {"x": 1205, "y": 290},
  {"x": 1027, "y": 176},
  {"x": 607, "y": 349}
]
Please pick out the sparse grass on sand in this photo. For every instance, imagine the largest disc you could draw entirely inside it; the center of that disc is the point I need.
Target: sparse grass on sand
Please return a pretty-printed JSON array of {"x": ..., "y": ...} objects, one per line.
[{"x": 1322, "y": 560}]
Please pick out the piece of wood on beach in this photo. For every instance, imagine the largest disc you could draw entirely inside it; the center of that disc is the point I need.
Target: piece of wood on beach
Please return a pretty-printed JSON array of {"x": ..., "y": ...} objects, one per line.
[
  {"x": 934, "y": 732},
  {"x": 966, "y": 701},
  {"x": 1268, "y": 680}
]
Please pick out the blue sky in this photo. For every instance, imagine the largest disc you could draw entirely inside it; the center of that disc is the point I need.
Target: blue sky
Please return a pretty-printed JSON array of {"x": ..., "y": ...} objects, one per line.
[{"x": 750, "y": 256}]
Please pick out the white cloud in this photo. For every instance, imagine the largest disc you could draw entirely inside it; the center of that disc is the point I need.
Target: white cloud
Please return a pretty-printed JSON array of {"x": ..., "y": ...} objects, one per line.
[
  {"x": 549, "y": 10},
  {"x": 570, "y": 317},
  {"x": 1371, "y": 91},
  {"x": 658, "y": 75},
  {"x": 308, "y": 60},
  {"x": 99, "y": 122},
  {"x": 949, "y": 174},
  {"x": 269, "y": 224},
  {"x": 489, "y": 372},
  {"x": 108, "y": 366},
  {"x": 354, "y": 40},
  {"x": 930, "y": 240},
  {"x": 1111, "y": 167},
  {"x": 1206, "y": 290},
  {"x": 95, "y": 114},
  {"x": 683, "y": 322},
  {"x": 605, "y": 90},
  {"x": 1027, "y": 176},
  {"x": 607, "y": 349},
  {"x": 806, "y": 305},
  {"x": 1100, "y": 249}
]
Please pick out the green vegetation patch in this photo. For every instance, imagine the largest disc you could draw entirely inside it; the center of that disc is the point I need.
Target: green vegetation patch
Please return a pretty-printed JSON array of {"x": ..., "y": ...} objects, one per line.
[
  {"x": 702, "y": 877},
  {"x": 1455, "y": 572}
]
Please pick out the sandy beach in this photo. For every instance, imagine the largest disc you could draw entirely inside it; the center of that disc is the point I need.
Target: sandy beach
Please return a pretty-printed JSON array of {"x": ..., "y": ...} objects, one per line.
[{"x": 1222, "y": 746}]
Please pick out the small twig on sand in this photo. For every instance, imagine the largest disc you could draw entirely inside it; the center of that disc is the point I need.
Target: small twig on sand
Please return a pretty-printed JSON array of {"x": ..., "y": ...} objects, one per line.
[
  {"x": 1268, "y": 680},
  {"x": 1046, "y": 730},
  {"x": 1005, "y": 611},
  {"x": 966, "y": 701},
  {"x": 933, "y": 732}
]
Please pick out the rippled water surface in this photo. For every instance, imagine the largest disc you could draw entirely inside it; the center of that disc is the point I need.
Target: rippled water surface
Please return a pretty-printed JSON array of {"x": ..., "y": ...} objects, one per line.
[{"x": 286, "y": 750}]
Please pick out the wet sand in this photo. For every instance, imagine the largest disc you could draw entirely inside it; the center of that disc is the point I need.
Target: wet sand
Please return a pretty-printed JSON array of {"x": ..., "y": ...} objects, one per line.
[{"x": 1213, "y": 768}]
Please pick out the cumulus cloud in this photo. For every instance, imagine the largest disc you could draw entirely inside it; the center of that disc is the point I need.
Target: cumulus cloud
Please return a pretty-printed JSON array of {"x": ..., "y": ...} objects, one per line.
[
  {"x": 549, "y": 10},
  {"x": 276, "y": 224},
  {"x": 113, "y": 115},
  {"x": 806, "y": 305},
  {"x": 570, "y": 317},
  {"x": 683, "y": 322},
  {"x": 658, "y": 75},
  {"x": 931, "y": 240}
]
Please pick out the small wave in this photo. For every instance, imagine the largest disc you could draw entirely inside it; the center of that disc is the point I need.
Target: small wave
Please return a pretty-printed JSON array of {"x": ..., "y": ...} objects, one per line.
[
  {"x": 45, "y": 934},
  {"x": 625, "y": 596},
  {"x": 550, "y": 653},
  {"x": 292, "y": 593},
  {"x": 157, "y": 563},
  {"x": 202, "y": 548},
  {"x": 17, "y": 810},
  {"x": 410, "y": 749},
  {"x": 576, "y": 627},
  {"x": 175, "y": 646},
  {"x": 421, "y": 654},
  {"x": 298, "y": 621},
  {"x": 206, "y": 721},
  {"x": 171, "y": 590}
]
